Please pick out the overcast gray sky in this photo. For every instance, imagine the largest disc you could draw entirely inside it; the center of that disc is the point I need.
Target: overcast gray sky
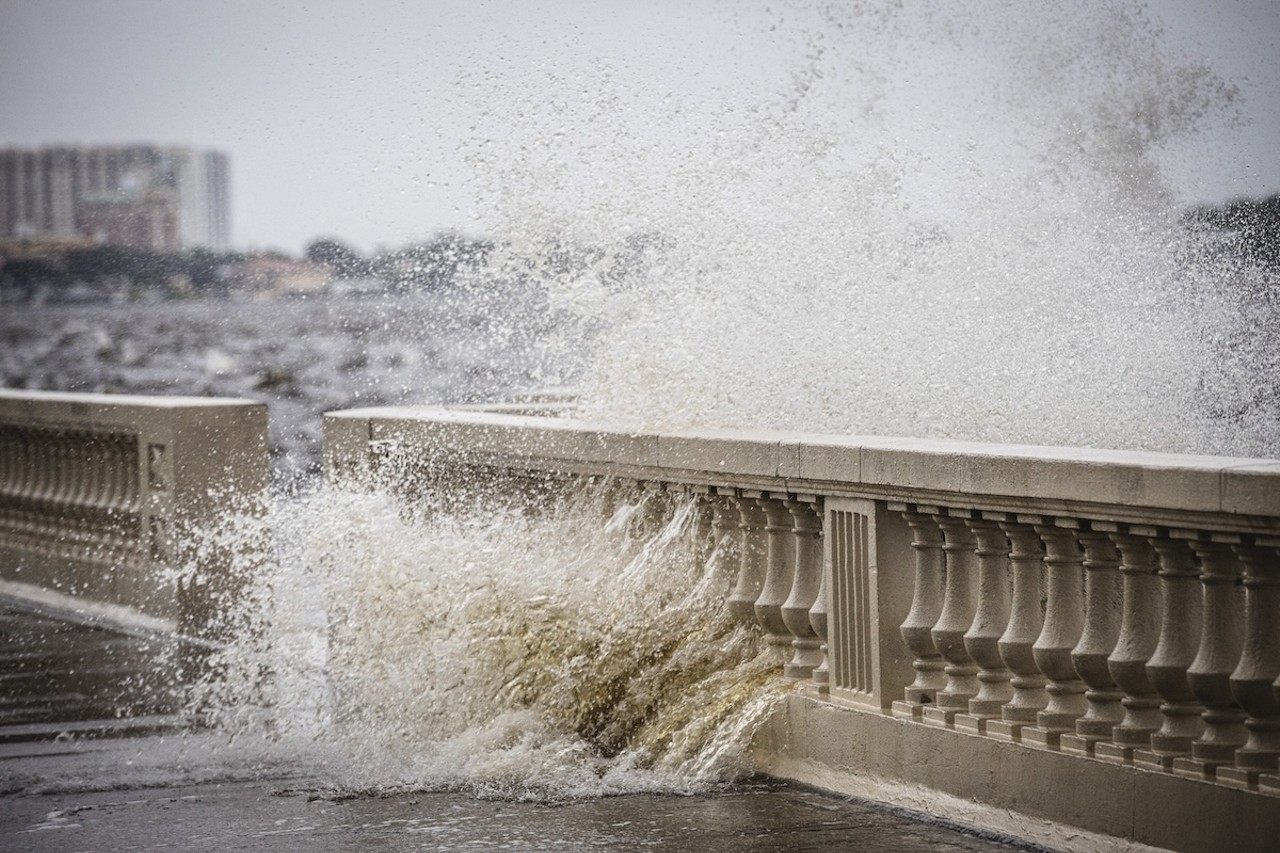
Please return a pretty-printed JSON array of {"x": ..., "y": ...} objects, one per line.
[{"x": 364, "y": 120}]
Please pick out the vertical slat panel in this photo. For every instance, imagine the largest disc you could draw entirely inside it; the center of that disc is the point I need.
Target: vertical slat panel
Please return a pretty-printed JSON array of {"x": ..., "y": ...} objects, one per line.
[{"x": 851, "y": 622}]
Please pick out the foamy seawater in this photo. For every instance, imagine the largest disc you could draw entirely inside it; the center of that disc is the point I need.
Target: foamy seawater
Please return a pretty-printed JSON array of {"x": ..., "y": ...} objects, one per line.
[
  {"x": 910, "y": 219},
  {"x": 577, "y": 648}
]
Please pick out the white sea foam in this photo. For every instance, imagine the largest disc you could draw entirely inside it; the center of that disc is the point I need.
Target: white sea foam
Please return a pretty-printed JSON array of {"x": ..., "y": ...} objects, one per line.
[
  {"x": 511, "y": 652},
  {"x": 930, "y": 221}
]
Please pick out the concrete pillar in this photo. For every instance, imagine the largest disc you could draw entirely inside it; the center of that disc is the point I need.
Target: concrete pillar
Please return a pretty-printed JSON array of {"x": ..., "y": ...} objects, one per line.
[
  {"x": 818, "y": 614},
  {"x": 1102, "y": 696},
  {"x": 982, "y": 640},
  {"x": 1251, "y": 682},
  {"x": 1180, "y": 615},
  {"x": 1139, "y": 633},
  {"x": 727, "y": 546},
  {"x": 1026, "y": 564},
  {"x": 806, "y": 581},
  {"x": 1063, "y": 626},
  {"x": 780, "y": 570},
  {"x": 959, "y": 603},
  {"x": 753, "y": 548},
  {"x": 926, "y": 605},
  {"x": 1221, "y": 643}
]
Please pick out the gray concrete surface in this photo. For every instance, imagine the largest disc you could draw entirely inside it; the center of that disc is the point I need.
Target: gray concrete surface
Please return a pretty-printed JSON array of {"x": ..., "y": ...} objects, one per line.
[
  {"x": 98, "y": 784},
  {"x": 280, "y": 815}
]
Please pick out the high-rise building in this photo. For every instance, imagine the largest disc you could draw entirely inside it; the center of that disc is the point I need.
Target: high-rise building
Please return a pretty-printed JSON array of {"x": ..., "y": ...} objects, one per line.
[{"x": 139, "y": 195}]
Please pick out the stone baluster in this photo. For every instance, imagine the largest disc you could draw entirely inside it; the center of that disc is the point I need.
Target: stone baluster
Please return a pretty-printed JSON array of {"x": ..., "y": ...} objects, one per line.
[
  {"x": 42, "y": 468},
  {"x": 59, "y": 473},
  {"x": 806, "y": 581},
  {"x": 1258, "y": 669},
  {"x": 926, "y": 605},
  {"x": 62, "y": 480},
  {"x": 10, "y": 472},
  {"x": 1063, "y": 626},
  {"x": 958, "y": 606},
  {"x": 44, "y": 483},
  {"x": 779, "y": 573},
  {"x": 1180, "y": 615},
  {"x": 753, "y": 548},
  {"x": 96, "y": 478},
  {"x": 655, "y": 512},
  {"x": 116, "y": 462},
  {"x": 702, "y": 527},
  {"x": 28, "y": 474},
  {"x": 1221, "y": 643},
  {"x": 8, "y": 464},
  {"x": 79, "y": 512},
  {"x": 724, "y": 531},
  {"x": 1026, "y": 620},
  {"x": 818, "y": 619},
  {"x": 1139, "y": 633},
  {"x": 982, "y": 640},
  {"x": 1102, "y": 610}
]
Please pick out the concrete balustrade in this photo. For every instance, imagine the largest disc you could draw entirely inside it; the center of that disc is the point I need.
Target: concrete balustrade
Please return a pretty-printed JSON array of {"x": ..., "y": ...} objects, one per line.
[
  {"x": 753, "y": 554},
  {"x": 1102, "y": 696},
  {"x": 1017, "y": 643},
  {"x": 1258, "y": 668},
  {"x": 1139, "y": 633},
  {"x": 106, "y": 499},
  {"x": 1180, "y": 615},
  {"x": 806, "y": 583},
  {"x": 1077, "y": 646},
  {"x": 926, "y": 609},
  {"x": 1221, "y": 645},
  {"x": 982, "y": 640},
  {"x": 959, "y": 601}
]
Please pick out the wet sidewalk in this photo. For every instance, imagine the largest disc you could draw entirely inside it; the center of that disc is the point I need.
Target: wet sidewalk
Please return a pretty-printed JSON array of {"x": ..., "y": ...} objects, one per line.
[
  {"x": 284, "y": 815},
  {"x": 92, "y": 758}
]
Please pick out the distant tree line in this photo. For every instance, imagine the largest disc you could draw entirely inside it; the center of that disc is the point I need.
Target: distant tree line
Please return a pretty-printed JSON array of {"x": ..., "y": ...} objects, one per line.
[
  {"x": 59, "y": 272},
  {"x": 85, "y": 271},
  {"x": 1249, "y": 229},
  {"x": 433, "y": 264}
]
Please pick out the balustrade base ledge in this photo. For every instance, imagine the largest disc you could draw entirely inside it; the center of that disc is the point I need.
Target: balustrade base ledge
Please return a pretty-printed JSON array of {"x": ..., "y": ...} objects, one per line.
[
  {"x": 1242, "y": 778},
  {"x": 907, "y": 710},
  {"x": 1114, "y": 753},
  {"x": 1195, "y": 768},
  {"x": 1152, "y": 760},
  {"x": 1038, "y": 738},
  {"x": 945, "y": 718},
  {"x": 1005, "y": 730},
  {"x": 1078, "y": 745},
  {"x": 971, "y": 723},
  {"x": 1043, "y": 797}
]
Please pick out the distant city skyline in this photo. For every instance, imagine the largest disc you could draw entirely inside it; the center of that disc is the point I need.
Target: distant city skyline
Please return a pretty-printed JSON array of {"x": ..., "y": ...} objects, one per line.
[
  {"x": 145, "y": 196},
  {"x": 368, "y": 125}
]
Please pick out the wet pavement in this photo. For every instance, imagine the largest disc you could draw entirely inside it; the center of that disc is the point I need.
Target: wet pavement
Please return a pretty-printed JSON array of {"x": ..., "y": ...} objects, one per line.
[
  {"x": 277, "y": 816},
  {"x": 68, "y": 784},
  {"x": 61, "y": 668}
]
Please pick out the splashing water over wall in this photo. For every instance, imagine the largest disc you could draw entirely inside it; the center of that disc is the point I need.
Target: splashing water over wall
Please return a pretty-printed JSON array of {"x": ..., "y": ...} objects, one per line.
[
  {"x": 553, "y": 654},
  {"x": 926, "y": 222},
  {"x": 949, "y": 222},
  {"x": 929, "y": 222}
]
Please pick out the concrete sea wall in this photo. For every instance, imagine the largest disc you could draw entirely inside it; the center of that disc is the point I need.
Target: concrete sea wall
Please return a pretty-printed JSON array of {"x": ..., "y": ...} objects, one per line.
[
  {"x": 1076, "y": 646},
  {"x": 107, "y": 500}
]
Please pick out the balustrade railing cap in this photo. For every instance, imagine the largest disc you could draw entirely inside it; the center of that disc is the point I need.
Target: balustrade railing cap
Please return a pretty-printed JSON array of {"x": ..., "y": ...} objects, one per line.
[
  {"x": 902, "y": 468},
  {"x": 11, "y": 398}
]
